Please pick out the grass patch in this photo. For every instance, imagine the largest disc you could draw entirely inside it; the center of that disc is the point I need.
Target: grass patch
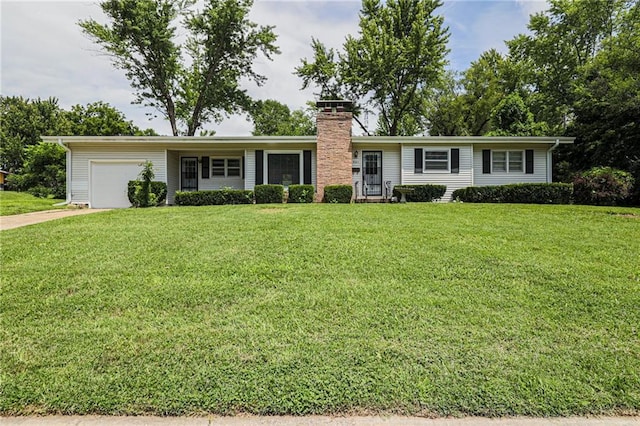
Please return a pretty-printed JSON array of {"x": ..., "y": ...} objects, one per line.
[
  {"x": 427, "y": 309},
  {"x": 21, "y": 202}
]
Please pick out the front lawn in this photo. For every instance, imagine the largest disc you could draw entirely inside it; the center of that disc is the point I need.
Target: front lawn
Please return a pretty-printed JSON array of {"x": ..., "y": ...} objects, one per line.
[
  {"x": 23, "y": 202},
  {"x": 427, "y": 309}
]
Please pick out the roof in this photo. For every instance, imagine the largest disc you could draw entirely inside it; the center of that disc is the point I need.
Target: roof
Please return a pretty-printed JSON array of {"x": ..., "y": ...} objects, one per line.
[{"x": 266, "y": 140}]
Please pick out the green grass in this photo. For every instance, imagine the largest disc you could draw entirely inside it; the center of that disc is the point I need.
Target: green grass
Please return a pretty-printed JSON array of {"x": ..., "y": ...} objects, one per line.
[
  {"x": 426, "y": 309},
  {"x": 22, "y": 202}
]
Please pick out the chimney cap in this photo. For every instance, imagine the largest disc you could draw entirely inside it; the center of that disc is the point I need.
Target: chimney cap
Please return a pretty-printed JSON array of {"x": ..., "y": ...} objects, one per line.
[{"x": 335, "y": 104}]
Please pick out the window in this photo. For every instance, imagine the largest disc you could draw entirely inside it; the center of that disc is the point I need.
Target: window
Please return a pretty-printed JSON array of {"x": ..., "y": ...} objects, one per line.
[
  {"x": 283, "y": 169},
  {"x": 225, "y": 167},
  {"x": 507, "y": 161},
  {"x": 436, "y": 160}
]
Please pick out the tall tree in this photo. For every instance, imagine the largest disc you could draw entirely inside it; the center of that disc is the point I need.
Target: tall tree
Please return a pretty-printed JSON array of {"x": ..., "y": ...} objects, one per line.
[
  {"x": 399, "y": 53},
  {"x": 272, "y": 118},
  {"x": 221, "y": 46},
  {"x": 101, "y": 119},
  {"x": 22, "y": 122}
]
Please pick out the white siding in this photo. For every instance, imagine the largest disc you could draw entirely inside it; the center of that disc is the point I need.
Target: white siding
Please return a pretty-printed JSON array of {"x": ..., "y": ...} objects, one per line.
[
  {"x": 81, "y": 156},
  {"x": 250, "y": 169},
  {"x": 539, "y": 166},
  {"x": 452, "y": 181},
  {"x": 173, "y": 175}
]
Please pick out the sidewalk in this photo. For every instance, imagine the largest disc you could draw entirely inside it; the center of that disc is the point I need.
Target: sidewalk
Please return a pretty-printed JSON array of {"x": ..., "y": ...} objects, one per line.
[
  {"x": 314, "y": 420},
  {"x": 18, "y": 220}
]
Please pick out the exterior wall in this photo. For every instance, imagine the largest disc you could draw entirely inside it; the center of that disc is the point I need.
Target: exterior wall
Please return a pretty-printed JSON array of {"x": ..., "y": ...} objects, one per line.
[
  {"x": 539, "y": 174},
  {"x": 81, "y": 156},
  {"x": 214, "y": 182},
  {"x": 333, "y": 150},
  {"x": 173, "y": 175},
  {"x": 452, "y": 181},
  {"x": 390, "y": 165}
]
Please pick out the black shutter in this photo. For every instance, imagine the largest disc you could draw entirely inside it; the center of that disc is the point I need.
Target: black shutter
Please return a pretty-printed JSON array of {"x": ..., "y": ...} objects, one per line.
[
  {"x": 306, "y": 159},
  {"x": 259, "y": 166},
  {"x": 529, "y": 161},
  {"x": 418, "y": 160},
  {"x": 455, "y": 160},
  {"x": 486, "y": 161},
  {"x": 243, "y": 167},
  {"x": 205, "y": 167}
]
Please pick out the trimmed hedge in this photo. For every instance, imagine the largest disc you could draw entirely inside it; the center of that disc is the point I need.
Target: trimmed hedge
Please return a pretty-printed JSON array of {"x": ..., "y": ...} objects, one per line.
[
  {"x": 421, "y": 193},
  {"x": 267, "y": 194},
  {"x": 528, "y": 193},
  {"x": 603, "y": 186},
  {"x": 301, "y": 194},
  {"x": 214, "y": 198},
  {"x": 158, "y": 189},
  {"x": 338, "y": 194}
]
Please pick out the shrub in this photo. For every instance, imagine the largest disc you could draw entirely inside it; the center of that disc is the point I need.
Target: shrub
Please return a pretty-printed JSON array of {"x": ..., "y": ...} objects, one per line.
[
  {"x": 214, "y": 197},
  {"x": 529, "y": 193},
  {"x": 338, "y": 194},
  {"x": 301, "y": 194},
  {"x": 602, "y": 186},
  {"x": 266, "y": 194},
  {"x": 158, "y": 192},
  {"x": 421, "y": 193}
]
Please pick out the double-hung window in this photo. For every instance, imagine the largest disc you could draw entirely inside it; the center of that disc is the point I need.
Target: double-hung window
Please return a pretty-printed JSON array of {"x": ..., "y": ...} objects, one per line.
[
  {"x": 436, "y": 160},
  {"x": 225, "y": 167},
  {"x": 507, "y": 161}
]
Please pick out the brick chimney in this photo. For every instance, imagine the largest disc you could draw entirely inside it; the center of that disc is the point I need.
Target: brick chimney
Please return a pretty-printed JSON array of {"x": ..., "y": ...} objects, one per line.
[{"x": 333, "y": 147}]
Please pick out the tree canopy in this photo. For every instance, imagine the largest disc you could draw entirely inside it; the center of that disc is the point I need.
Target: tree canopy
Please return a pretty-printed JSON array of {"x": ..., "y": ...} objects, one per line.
[
  {"x": 272, "y": 118},
  {"x": 398, "y": 54},
  {"x": 192, "y": 82}
]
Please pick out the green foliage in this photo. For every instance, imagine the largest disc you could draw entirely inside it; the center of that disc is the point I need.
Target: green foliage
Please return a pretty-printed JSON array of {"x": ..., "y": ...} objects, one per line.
[
  {"x": 142, "y": 195},
  {"x": 43, "y": 172},
  {"x": 421, "y": 193},
  {"x": 220, "y": 48},
  {"x": 340, "y": 194},
  {"x": 301, "y": 194},
  {"x": 214, "y": 198},
  {"x": 397, "y": 56},
  {"x": 528, "y": 193},
  {"x": 22, "y": 122},
  {"x": 603, "y": 186},
  {"x": 511, "y": 117},
  {"x": 158, "y": 192},
  {"x": 272, "y": 118},
  {"x": 266, "y": 194},
  {"x": 101, "y": 119}
]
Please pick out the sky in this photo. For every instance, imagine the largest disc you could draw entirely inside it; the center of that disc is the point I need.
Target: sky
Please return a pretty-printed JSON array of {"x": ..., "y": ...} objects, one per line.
[{"x": 45, "y": 54}]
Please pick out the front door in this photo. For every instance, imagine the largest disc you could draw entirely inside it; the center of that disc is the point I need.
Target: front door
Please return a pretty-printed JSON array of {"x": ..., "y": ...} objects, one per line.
[
  {"x": 189, "y": 174},
  {"x": 372, "y": 172}
]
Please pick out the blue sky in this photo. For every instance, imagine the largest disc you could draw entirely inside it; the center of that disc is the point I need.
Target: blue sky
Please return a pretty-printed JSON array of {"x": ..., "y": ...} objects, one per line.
[{"x": 44, "y": 53}]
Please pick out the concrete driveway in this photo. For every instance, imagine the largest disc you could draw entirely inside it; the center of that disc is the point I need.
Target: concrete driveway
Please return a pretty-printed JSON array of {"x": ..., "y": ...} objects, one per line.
[{"x": 18, "y": 220}]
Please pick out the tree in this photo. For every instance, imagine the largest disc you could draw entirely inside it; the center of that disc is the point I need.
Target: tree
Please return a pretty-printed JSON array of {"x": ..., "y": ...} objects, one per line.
[
  {"x": 101, "y": 119},
  {"x": 271, "y": 118},
  {"x": 399, "y": 54},
  {"x": 43, "y": 173},
  {"x": 511, "y": 117},
  {"x": 221, "y": 46},
  {"x": 22, "y": 122}
]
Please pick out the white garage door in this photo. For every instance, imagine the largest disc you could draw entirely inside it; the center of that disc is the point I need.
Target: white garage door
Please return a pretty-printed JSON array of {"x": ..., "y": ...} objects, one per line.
[{"x": 109, "y": 183}]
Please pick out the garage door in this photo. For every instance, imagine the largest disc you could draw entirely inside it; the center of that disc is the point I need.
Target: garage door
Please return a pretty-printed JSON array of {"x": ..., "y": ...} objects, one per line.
[{"x": 109, "y": 183}]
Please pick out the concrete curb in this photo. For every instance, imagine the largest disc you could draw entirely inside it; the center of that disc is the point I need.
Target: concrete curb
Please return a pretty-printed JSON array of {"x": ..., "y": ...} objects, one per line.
[{"x": 314, "y": 420}]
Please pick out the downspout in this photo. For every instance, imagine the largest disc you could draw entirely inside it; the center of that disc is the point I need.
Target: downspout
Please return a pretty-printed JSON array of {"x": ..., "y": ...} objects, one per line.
[
  {"x": 68, "y": 177},
  {"x": 550, "y": 161}
]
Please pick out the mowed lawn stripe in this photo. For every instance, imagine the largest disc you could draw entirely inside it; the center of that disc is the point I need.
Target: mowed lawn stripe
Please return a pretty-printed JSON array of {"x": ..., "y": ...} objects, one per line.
[{"x": 416, "y": 309}]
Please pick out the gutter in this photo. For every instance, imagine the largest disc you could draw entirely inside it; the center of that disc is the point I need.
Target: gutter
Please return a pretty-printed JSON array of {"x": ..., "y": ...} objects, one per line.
[
  {"x": 68, "y": 178},
  {"x": 550, "y": 160}
]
